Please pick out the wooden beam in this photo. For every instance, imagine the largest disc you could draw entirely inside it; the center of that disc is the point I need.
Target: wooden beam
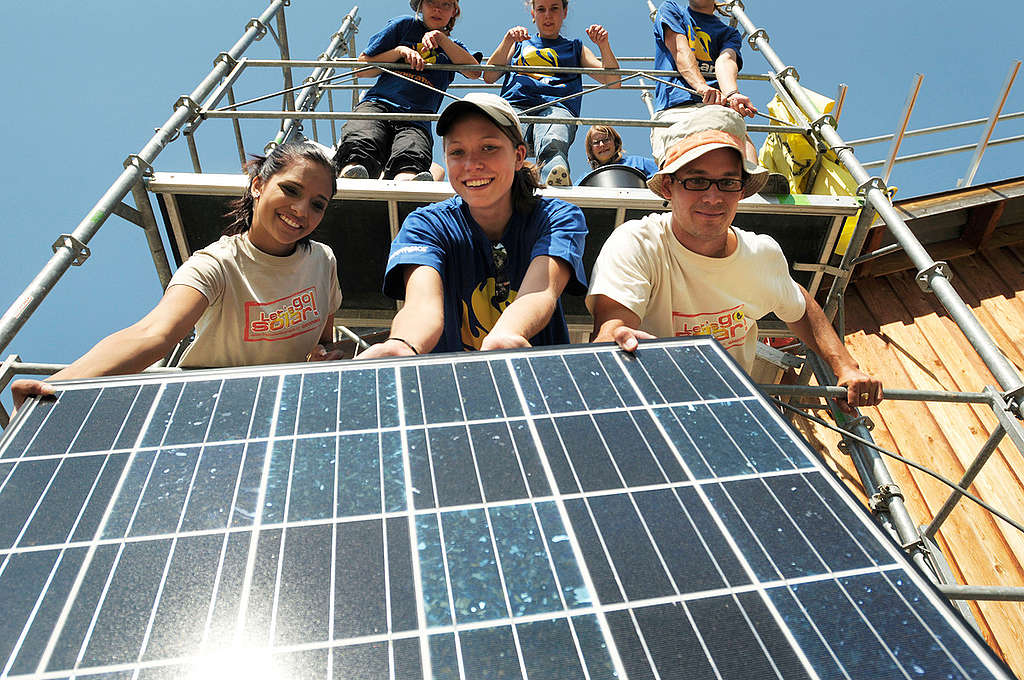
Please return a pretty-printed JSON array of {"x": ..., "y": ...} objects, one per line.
[{"x": 981, "y": 223}]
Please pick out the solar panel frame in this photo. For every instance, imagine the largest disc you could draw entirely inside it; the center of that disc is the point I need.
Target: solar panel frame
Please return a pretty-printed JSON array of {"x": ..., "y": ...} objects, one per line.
[{"x": 561, "y": 493}]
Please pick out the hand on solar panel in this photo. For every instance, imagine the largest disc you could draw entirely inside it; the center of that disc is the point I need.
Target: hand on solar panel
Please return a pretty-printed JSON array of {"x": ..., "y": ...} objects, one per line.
[
  {"x": 321, "y": 353},
  {"x": 25, "y": 388},
  {"x": 614, "y": 322}
]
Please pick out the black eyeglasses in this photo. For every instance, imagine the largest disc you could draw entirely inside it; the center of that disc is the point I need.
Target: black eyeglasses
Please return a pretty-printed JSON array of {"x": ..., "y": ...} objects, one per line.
[
  {"x": 727, "y": 184},
  {"x": 501, "y": 282}
]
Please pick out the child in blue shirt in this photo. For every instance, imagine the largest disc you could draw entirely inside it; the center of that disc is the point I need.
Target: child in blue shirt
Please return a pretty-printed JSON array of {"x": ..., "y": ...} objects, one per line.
[
  {"x": 402, "y": 149},
  {"x": 535, "y": 94},
  {"x": 604, "y": 147}
]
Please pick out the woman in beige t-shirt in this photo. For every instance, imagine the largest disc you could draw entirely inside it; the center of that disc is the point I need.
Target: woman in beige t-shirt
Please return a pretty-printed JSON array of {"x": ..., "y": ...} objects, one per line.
[{"x": 263, "y": 293}]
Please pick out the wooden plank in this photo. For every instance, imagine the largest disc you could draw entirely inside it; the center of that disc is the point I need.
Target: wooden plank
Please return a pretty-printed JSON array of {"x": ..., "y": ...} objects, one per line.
[
  {"x": 993, "y": 303},
  {"x": 976, "y": 548}
]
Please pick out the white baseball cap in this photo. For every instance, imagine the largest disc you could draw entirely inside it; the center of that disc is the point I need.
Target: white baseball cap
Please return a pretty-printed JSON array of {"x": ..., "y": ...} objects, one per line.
[{"x": 491, "y": 105}]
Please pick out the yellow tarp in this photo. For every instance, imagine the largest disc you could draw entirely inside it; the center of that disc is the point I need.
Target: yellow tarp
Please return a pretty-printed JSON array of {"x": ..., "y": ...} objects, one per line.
[{"x": 794, "y": 157}]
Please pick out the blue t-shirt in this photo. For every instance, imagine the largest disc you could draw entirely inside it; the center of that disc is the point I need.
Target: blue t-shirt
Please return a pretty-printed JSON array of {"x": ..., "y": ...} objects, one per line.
[
  {"x": 642, "y": 163},
  {"x": 524, "y": 90},
  {"x": 398, "y": 93},
  {"x": 446, "y": 237},
  {"x": 708, "y": 36}
]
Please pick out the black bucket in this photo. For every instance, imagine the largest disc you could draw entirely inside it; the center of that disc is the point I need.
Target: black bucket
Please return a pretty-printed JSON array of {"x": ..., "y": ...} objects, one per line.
[{"x": 615, "y": 176}]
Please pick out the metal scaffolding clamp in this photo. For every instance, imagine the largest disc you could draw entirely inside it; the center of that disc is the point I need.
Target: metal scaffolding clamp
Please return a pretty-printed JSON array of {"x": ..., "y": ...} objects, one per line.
[
  {"x": 789, "y": 71},
  {"x": 859, "y": 421},
  {"x": 824, "y": 120},
  {"x": 256, "y": 23},
  {"x": 758, "y": 33},
  {"x": 873, "y": 183},
  {"x": 879, "y": 501},
  {"x": 227, "y": 59},
  {"x": 139, "y": 162},
  {"x": 925, "y": 275},
  {"x": 1012, "y": 399},
  {"x": 77, "y": 248},
  {"x": 193, "y": 107}
]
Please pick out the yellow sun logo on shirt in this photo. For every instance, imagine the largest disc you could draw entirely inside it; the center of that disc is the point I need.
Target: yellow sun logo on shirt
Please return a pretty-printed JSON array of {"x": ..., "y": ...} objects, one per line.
[{"x": 531, "y": 56}]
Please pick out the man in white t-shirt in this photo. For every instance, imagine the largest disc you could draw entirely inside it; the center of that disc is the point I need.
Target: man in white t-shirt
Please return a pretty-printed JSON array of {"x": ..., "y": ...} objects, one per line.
[{"x": 690, "y": 272}]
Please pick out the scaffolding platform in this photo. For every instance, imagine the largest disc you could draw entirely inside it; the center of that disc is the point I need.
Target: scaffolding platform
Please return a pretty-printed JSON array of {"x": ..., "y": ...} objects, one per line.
[{"x": 366, "y": 214}]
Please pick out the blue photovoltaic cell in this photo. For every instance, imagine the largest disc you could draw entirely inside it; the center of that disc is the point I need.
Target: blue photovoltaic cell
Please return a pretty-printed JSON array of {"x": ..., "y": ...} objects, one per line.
[{"x": 566, "y": 513}]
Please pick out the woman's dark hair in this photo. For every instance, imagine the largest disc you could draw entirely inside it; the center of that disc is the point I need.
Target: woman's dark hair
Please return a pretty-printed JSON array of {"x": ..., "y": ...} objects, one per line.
[
  {"x": 265, "y": 167},
  {"x": 612, "y": 134}
]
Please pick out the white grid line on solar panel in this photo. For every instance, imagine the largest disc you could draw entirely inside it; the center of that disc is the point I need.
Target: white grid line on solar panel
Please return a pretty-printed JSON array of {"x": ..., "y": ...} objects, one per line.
[
  {"x": 596, "y": 493},
  {"x": 51, "y": 643},
  {"x": 730, "y": 540},
  {"x": 490, "y": 531},
  {"x": 654, "y": 546},
  {"x": 167, "y": 563},
  {"x": 446, "y": 570},
  {"x": 410, "y": 504},
  {"x": 370, "y": 431},
  {"x": 574, "y": 541},
  {"x": 458, "y": 628},
  {"x": 810, "y": 543},
  {"x": 940, "y": 605},
  {"x": 559, "y": 587},
  {"x": 261, "y": 500},
  {"x": 886, "y": 544}
]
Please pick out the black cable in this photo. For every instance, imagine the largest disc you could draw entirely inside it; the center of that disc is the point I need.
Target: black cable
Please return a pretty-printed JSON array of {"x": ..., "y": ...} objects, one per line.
[{"x": 905, "y": 461}]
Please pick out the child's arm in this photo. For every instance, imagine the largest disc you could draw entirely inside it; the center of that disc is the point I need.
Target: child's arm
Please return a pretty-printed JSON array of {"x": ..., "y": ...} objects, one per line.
[
  {"x": 599, "y": 35},
  {"x": 503, "y": 51},
  {"x": 686, "y": 64},
  {"x": 439, "y": 40},
  {"x": 393, "y": 56}
]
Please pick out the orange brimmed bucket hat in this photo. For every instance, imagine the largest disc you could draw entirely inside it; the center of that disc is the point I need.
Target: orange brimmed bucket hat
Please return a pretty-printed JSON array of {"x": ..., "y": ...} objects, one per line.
[{"x": 708, "y": 128}]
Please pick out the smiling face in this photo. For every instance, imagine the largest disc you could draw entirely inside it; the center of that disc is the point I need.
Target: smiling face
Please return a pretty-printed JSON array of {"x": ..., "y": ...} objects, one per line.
[
  {"x": 482, "y": 162},
  {"x": 701, "y": 219},
  {"x": 602, "y": 146},
  {"x": 438, "y": 13},
  {"x": 290, "y": 206},
  {"x": 548, "y": 15}
]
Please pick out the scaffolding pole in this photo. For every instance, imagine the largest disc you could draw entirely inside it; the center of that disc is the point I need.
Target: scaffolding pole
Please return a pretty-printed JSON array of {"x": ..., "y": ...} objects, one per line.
[
  {"x": 72, "y": 248},
  {"x": 310, "y": 95}
]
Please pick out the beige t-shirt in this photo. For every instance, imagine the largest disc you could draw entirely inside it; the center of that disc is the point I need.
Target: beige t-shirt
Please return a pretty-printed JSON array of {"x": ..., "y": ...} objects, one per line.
[
  {"x": 263, "y": 309},
  {"x": 676, "y": 292}
]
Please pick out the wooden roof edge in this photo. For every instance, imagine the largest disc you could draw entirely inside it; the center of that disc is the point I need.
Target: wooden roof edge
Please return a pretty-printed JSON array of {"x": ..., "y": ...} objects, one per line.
[{"x": 957, "y": 199}]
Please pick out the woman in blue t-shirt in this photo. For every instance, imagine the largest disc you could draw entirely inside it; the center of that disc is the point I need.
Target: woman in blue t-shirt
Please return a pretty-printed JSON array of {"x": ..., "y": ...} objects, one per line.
[
  {"x": 604, "y": 147},
  {"x": 484, "y": 269},
  {"x": 538, "y": 94},
  {"x": 402, "y": 149}
]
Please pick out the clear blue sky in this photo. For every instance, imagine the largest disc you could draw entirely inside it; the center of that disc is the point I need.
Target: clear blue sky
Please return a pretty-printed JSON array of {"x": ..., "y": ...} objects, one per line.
[{"x": 88, "y": 82}]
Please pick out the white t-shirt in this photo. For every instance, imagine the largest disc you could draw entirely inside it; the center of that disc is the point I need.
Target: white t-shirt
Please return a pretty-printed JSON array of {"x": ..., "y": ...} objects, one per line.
[
  {"x": 263, "y": 309},
  {"x": 675, "y": 291}
]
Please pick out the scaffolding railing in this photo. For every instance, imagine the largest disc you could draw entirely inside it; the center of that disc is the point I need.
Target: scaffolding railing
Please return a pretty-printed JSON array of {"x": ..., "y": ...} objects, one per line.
[{"x": 214, "y": 99}]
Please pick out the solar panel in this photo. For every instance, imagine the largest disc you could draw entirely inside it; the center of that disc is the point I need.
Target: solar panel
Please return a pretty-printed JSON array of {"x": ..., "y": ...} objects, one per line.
[{"x": 553, "y": 513}]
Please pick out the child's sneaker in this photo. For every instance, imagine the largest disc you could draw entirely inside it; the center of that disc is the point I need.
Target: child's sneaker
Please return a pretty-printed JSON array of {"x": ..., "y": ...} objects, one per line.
[
  {"x": 558, "y": 177},
  {"x": 423, "y": 176},
  {"x": 355, "y": 172}
]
